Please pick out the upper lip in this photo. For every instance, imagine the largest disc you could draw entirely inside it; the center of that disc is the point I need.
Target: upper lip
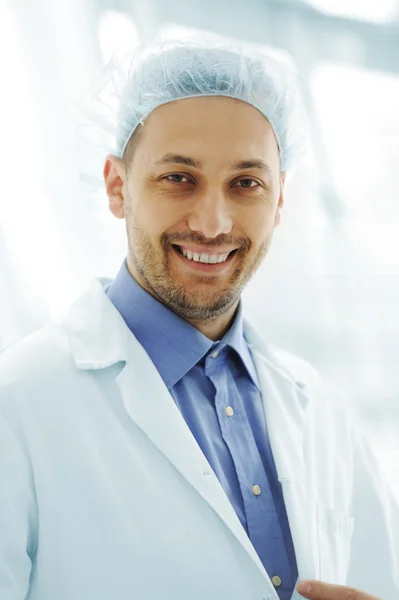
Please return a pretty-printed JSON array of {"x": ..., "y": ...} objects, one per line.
[{"x": 209, "y": 251}]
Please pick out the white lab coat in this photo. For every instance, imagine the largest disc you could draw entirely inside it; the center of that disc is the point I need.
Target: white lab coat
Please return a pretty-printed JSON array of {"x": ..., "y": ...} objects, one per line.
[{"x": 106, "y": 495}]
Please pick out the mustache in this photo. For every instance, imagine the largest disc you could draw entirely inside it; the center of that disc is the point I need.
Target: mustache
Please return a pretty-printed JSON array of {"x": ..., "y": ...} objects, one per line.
[{"x": 242, "y": 244}]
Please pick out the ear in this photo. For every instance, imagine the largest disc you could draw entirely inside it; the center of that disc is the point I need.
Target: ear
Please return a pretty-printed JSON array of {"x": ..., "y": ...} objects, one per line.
[
  {"x": 280, "y": 200},
  {"x": 114, "y": 178}
]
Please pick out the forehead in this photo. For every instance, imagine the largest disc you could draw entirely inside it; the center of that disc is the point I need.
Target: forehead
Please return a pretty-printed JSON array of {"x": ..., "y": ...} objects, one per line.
[{"x": 214, "y": 126}]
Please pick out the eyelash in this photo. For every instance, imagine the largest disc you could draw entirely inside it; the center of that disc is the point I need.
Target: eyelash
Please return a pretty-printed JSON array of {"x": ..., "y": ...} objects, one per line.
[{"x": 243, "y": 179}]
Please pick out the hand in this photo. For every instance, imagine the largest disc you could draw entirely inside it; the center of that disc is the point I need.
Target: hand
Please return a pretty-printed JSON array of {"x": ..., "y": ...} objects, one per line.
[{"x": 326, "y": 591}]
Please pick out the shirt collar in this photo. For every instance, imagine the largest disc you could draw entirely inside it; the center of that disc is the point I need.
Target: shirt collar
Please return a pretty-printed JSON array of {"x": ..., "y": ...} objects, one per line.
[{"x": 172, "y": 343}]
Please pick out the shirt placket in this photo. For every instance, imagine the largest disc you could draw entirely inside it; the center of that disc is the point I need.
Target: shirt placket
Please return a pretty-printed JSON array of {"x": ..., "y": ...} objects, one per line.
[{"x": 259, "y": 506}]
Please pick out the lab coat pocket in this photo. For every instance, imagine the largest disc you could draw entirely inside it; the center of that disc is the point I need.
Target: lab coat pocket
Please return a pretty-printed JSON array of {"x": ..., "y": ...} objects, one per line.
[{"x": 335, "y": 530}]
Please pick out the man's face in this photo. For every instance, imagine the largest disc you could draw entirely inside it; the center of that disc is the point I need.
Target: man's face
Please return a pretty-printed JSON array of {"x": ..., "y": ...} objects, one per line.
[{"x": 203, "y": 202}]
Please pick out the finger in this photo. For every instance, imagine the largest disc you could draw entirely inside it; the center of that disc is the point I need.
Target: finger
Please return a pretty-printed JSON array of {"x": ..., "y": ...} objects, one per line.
[{"x": 327, "y": 591}]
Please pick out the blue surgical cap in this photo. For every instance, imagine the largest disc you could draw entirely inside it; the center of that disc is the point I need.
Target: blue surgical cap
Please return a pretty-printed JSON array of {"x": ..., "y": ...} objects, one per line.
[{"x": 202, "y": 64}]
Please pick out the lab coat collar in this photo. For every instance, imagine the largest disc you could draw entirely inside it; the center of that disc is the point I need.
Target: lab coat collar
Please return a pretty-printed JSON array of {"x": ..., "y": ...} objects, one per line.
[{"x": 99, "y": 336}]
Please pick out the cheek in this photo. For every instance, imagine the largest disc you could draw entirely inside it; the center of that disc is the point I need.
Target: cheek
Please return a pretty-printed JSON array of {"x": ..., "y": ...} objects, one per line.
[
  {"x": 258, "y": 225},
  {"x": 161, "y": 206}
]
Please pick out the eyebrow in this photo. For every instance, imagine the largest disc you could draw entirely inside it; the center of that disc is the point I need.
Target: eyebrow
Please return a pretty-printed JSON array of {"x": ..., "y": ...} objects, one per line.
[{"x": 188, "y": 161}]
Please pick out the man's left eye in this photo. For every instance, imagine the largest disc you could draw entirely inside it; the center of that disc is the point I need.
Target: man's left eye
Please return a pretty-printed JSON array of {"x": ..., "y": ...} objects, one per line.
[{"x": 247, "y": 183}]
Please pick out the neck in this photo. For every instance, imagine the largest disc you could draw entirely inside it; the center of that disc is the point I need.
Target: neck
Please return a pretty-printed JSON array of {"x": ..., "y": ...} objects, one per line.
[{"x": 216, "y": 328}]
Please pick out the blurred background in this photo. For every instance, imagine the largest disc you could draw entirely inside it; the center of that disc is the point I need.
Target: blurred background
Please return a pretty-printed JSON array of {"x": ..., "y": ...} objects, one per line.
[{"x": 329, "y": 288}]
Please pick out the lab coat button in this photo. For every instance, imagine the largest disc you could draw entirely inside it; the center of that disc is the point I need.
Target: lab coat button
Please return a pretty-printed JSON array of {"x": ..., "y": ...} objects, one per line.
[
  {"x": 256, "y": 490},
  {"x": 229, "y": 411},
  {"x": 276, "y": 581}
]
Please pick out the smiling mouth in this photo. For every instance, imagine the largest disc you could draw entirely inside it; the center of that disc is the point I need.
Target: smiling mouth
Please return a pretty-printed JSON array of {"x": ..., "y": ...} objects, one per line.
[
  {"x": 204, "y": 266},
  {"x": 179, "y": 250}
]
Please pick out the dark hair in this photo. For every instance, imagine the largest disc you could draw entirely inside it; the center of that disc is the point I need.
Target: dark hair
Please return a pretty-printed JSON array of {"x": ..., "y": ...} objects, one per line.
[{"x": 131, "y": 147}]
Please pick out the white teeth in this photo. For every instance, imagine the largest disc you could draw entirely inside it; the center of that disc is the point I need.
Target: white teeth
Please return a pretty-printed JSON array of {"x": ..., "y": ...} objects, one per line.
[{"x": 204, "y": 258}]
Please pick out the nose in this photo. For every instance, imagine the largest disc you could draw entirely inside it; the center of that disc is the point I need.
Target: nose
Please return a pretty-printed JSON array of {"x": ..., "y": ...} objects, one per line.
[{"x": 211, "y": 214}]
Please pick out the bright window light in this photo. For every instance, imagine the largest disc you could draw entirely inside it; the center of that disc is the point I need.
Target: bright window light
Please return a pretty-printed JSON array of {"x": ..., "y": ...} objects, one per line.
[
  {"x": 357, "y": 113},
  {"x": 25, "y": 210},
  {"x": 375, "y": 11},
  {"x": 117, "y": 33}
]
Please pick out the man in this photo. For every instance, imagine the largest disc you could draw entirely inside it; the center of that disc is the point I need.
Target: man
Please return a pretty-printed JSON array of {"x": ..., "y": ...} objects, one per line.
[{"x": 152, "y": 444}]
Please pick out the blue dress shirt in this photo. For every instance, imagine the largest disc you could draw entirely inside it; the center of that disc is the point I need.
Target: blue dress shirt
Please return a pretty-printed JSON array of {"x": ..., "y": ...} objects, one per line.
[{"x": 215, "y": 387}]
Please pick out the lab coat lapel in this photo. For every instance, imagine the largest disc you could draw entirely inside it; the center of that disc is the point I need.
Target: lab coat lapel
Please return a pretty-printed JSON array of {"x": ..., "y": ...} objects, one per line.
[{"x": 152, "y": 408}]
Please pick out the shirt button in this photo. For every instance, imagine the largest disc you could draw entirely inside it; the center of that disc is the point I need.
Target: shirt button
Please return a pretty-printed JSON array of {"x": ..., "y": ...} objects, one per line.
[
  {"x": 229, "y": 411},
  {"x": 214, "y": 354},
  {"x": 256, "y": 490},
  {"x": 276, "y": 581}
]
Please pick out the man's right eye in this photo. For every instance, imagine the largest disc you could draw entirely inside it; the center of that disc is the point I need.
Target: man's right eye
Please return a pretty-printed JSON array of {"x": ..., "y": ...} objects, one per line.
[{"x": 177, "y": 175}]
